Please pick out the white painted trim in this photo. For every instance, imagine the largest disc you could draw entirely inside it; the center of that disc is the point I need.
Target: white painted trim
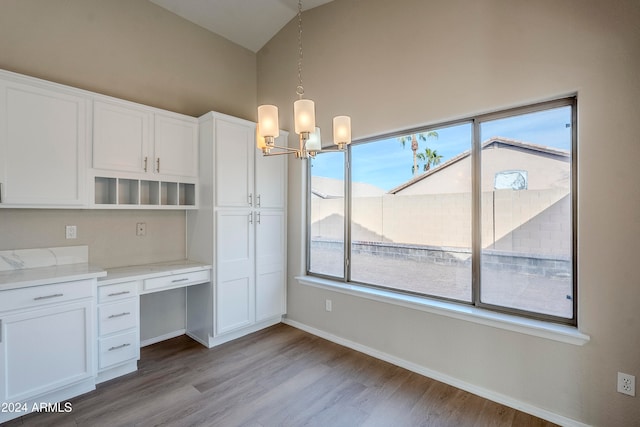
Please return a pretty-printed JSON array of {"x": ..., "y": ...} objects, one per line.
[
  {"x": 232, "y": 335},
  {"x": 164, "y": 337},
  {"x": 438, "y": 376},
  {"x": 523, "y": 325}
]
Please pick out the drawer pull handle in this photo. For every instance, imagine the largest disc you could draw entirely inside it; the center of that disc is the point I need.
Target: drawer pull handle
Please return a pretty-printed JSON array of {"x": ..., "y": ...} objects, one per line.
[
  {"x": 48, "y": 297},
  {"x": 113, "y": 316},
  {"x": 184, "y": 279},
  {"x": 115, "y": 294},
  {"x": 118, "y": 347}
]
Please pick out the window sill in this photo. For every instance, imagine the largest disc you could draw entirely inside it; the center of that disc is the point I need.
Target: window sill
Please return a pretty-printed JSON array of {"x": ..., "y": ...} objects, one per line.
[{"x": 537, "y": 328}]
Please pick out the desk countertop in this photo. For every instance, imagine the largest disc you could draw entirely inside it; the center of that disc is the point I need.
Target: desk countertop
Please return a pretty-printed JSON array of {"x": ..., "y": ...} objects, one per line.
[
  {"x": 13, "y": 279},
  {"x": 148, "y": 271}
]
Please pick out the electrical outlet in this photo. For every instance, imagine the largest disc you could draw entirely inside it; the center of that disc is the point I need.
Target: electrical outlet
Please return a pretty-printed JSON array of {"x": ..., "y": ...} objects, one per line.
[
  {"x": 141, "y": 229},
  {"x": 71, "y": 232},
  {"x": 328, "y": 305},
  {"x": 626, "y": 384}
]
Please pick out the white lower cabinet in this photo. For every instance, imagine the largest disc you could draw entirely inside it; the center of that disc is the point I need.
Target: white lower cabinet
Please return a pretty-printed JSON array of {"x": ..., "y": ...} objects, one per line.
[
  {"x": 235, "y": 299},
  {"x": 270, "y": 262},
  {"x": 46, "y": 343},
  {"x": 118, "y": 329}
]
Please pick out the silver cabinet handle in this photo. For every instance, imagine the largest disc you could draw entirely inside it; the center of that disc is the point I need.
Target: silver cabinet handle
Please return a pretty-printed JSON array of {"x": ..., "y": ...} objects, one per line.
[
  {"x": 250, "y": 199},
  {"x": 258, "y": 217},
  {"x": 48, "y": 297},
  {"x": 115, "y": 294},
  {"x": 113, "y": 316},
  {"x": 184, "y": 279},
  {"x": 158, "y": 165},
  {"x": 118, "y": 347},
  {"x": 258, "y": 200},
  {"x": 251, "y": 218},
  {"x": 0, "y": 192},
  {"x": 145, "y": 163}
]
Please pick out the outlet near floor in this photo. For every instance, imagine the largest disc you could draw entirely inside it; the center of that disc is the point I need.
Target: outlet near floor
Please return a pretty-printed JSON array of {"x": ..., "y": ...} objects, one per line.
[{"x": 626, "y": 384}]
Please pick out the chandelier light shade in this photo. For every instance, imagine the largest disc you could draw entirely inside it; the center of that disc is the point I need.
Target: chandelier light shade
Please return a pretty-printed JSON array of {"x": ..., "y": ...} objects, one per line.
[
  {"x": 260, "y": 140},
  {"x": 304, "y": 113},
  {"x": 304, "y": 119},
  {"x": 342, "y": 131},
  {"x": 314, "y": 143},
  {"x": 268, "y": 121}
]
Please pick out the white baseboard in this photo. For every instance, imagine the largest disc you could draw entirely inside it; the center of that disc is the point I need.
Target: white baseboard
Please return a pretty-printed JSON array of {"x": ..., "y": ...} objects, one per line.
[
  {"x": 167, "y": 336},
  {"x": 438, "y": 376}
]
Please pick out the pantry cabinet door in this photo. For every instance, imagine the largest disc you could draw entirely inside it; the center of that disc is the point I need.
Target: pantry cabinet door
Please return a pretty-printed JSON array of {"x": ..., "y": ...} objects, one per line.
[
  {"x": 271, "y": 178},
  {"x": 235, "y": 284},
  {"x": 270, "y": 264},
  {"x": 234, "y": 164}
]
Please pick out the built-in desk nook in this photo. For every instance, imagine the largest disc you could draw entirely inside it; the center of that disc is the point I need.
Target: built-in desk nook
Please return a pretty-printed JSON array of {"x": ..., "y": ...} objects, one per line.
[{"x": 66, "y": 325}]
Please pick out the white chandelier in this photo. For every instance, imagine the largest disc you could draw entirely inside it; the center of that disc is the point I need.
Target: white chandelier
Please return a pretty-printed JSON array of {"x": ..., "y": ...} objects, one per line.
[{"x": 304, "y": 114}]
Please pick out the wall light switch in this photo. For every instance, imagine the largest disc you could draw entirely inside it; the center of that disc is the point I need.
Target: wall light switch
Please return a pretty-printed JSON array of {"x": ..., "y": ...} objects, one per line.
[
  {"x": 141, "y": 229},
  {"x": 71, "y": 232}
]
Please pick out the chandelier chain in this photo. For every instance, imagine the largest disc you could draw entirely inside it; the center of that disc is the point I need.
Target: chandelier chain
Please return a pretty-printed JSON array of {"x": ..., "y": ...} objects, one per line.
[{"x": 300, "y": 88}]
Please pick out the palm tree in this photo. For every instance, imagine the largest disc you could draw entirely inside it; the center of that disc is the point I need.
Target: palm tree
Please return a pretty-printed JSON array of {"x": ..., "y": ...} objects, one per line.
[
  {"x": 430, "y": 158},
  {"x": 414, "y": 146}
]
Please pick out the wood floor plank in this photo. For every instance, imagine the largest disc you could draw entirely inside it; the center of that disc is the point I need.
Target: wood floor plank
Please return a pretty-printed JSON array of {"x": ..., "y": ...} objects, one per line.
[{"x": 280, "y": 376}]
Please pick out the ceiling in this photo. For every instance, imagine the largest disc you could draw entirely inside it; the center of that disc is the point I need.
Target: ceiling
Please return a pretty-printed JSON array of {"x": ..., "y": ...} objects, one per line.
[{"x": 249, "y": 23}]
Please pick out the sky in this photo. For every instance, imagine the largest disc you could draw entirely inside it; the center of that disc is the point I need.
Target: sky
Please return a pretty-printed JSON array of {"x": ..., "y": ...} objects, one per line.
[{"x": 386, "y": 164}]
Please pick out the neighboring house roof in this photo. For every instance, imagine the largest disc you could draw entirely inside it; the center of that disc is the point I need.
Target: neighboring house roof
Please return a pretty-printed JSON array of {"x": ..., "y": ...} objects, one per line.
[{"x": 493, "y": 142}]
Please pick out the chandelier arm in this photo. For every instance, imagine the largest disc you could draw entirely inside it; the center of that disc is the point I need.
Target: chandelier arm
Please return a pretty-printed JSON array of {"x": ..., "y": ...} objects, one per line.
[{"x": 279, "y": 153}]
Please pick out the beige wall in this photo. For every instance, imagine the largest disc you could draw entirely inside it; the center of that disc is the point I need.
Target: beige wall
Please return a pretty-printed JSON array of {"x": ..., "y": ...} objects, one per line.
[
  {"x": 395, "y": 65},
  {"x": 130, "y": 49},
  {"x": 135, "y": 50}
]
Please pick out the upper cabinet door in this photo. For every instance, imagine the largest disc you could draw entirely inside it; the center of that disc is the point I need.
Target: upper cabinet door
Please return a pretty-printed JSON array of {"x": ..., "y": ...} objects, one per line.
[
  {"x": 271, "y": 177},
  {"x": 42, "y": 146},
  {"x": 234, "y": 164},
  {"x": 121, "y": 136},
  {"x": 176, "y": 146}
]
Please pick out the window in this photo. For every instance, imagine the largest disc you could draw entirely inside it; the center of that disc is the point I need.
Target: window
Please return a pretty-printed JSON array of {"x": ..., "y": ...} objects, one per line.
[{"x": 480, "y": 211}]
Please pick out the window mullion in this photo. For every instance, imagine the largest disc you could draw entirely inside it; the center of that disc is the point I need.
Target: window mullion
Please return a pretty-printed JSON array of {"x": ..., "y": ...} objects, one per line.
[
  {"x": 347, "y": 215},
  {"x": 476, "y": 217}
]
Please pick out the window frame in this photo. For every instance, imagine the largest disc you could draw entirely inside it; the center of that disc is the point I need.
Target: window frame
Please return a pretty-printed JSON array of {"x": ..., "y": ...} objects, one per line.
[{"x": 476, "y": 217}]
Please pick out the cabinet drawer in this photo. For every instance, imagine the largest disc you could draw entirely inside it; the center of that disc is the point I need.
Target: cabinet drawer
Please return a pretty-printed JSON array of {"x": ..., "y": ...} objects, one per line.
[
  {"x": 177, "y": 280},
  {"x": 118, "y": 316},
  {"x": 35, "y": 296},
  {"x": 118, "y": 291},
  {"x": 118, "y": 349}
]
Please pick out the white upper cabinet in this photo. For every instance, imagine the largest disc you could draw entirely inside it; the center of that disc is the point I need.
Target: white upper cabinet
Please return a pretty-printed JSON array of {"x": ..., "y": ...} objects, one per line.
[
  {"x": 271, "y": 177},
  {"x": 43, "y": 134},
  {"x": 121, "y": 137},
  {"x": 250, "y": 179},
  {"x": 234, "y": 144},
  {"x": 129, "y": 137},
  {"x": 176, "y": 145}
]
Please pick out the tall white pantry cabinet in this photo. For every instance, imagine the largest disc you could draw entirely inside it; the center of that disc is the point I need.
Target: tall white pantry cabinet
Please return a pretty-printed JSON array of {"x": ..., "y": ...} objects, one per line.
[{"x": 240, "y": 229}]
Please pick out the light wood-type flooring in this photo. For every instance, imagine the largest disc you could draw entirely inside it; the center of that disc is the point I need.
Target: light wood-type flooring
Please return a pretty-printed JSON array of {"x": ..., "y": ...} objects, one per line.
[{"x": 280, "y": 376}]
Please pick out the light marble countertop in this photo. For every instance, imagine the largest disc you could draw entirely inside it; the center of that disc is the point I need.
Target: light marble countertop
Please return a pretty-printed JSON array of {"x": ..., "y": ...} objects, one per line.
[
  {"x": 12, "y": 279},
  {"x": 35, "y": 267},
  {"x": 148, "y": 271}
]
